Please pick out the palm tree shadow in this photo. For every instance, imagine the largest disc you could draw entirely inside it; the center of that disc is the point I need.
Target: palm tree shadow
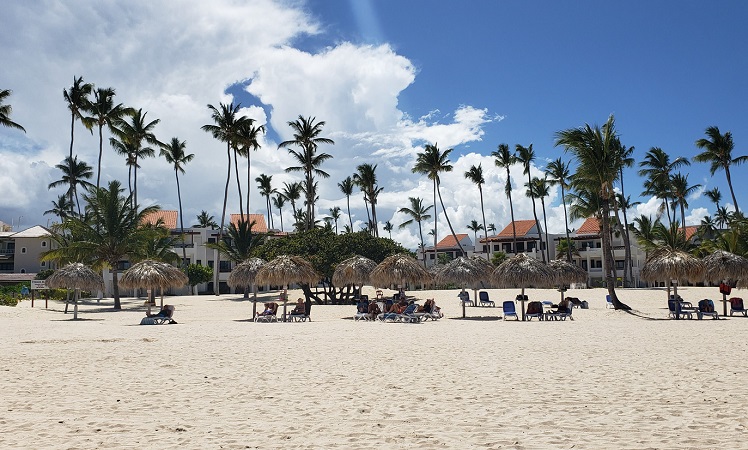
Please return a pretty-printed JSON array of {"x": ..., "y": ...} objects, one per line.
[{"x": 478, "y": 318}]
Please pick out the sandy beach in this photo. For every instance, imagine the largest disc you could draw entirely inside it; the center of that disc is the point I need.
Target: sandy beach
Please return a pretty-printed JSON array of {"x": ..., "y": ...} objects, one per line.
[{"x": 216, "y": 380}]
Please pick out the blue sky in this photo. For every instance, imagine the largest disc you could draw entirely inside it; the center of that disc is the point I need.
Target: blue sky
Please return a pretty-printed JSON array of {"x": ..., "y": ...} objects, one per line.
[{"x": 388, "y": 76}]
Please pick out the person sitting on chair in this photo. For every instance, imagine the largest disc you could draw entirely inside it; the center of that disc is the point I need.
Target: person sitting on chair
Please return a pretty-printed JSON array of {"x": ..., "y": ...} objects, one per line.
[
  {"x": 374, "y": 310},
  {"x": 299, "y": 308},
  {"x": 269, "y": 310},
  {"x": 563, "y": 306},
  {"x": 166, "y": 311},
  {"x": 363, "y": 306}
]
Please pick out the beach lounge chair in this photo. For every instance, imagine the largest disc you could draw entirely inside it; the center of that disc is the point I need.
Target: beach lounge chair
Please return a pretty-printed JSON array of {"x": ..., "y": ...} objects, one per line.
[
  {"x": 406, "y": 316},
  {"x": 509, "y": 309},
  {"x": 163, "y": 317},
  {"x": 464, "y": 297},
  {"x": 434, "y": 314},
  {"x": 410, "y": 315},
  {"x": 534, "y": 309},
  {"x": 483, "y": 299},
  {"x": 682, "y": 309},
  {"x": 271, "y": 317},
  {"x": 608, "y": 302},
  {"x": 706, "y": 308},
  {"x": 302, "y": 317},
  {"x": 736, "y": 306}
]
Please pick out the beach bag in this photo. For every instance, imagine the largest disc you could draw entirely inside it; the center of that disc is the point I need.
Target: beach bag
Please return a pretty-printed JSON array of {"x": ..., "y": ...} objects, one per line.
[
  {"x": 725, "y": 289},
  {"x": 585, "y": 305}
]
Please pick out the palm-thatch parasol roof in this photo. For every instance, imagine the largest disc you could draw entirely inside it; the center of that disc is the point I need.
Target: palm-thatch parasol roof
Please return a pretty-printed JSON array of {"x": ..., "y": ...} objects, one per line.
[
  {"x": 567, "y": 273},
  {"x": 673, "y": 265},
  {"x": 150, "y": 274},
  {"x": 245, "y": 273},
  {"x": 75, "y": 276},
  {"x": 521, "y": 271},
  {"x": 463, "y": 271},
  {"x": 354, "y": 270},
  {"x": 78, "y": 277},
  {"x": 285, "y": 270},
  {"x": 398, "y": 269},
  {"x": 722, "y": 265}
]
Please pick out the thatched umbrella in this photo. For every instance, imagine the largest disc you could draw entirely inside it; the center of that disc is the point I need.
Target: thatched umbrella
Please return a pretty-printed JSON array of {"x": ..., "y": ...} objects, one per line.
[
  {"x": 465, "y": 272},
  {"x": 75, "y": 276},
  {"x": 521, "y": 271},
  {"x": 354, "y": 270},
  {"x": 150, "y": 274},
  {"x": 668, "y": 265},
  {"x": 567, "y": 273},
  {"x": 244, "y": 275},
  {"x": 399, "y": 269},
  {"x": 722, "y": 266},
  {"x": 285, "y": 270}
]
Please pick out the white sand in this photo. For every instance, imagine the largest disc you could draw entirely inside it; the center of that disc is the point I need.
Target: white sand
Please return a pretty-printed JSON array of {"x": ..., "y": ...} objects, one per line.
[{"x": 216, "y": 380}]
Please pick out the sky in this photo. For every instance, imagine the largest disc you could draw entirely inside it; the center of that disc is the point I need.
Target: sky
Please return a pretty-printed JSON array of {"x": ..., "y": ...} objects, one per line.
[{"x": 387, "y": 77}]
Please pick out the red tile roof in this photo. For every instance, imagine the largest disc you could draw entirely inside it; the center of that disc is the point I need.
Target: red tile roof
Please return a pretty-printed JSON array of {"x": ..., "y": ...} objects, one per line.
[
  {"x": 590, "y": 226},
  {"x": 169, "y": 218},
  {"x": 523, "y": 227},
  {"x": 449, "y": 241},
  {"x": 259, "y": 219},
  {"x": 690, "y": 231}
]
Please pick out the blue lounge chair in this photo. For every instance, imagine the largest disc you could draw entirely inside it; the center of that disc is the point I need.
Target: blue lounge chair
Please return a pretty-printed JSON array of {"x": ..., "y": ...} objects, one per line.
[
  {"x": 608, "y": 301},
  {"x": 484, "y": 300},
  {"x": 464, "y": 297},
  {"x": 736, "y": 306},
  {"x": 680, "y": 309},
  {"x": 706, "y": 308},
  {"x": 509, "y": 309}
]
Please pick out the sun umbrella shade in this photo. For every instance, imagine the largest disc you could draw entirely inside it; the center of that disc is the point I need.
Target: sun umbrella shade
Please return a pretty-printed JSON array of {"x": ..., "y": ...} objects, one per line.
[
  {"x": 673, "y": 265},
  {"x": 354, "y": 270},
  {"x": 76, "y": 276},
  {"x": 150, "y": 274},
  {"x": 398, "y": 269},
  {"x": 285, "y": 270},
  {"x": 722, "y": 265},
  {"x": 521, "y": 271},
  {"x": 463, "y": 271},
  {"x": 245, "y": 273},
  {"x": 567, "y": 273}
]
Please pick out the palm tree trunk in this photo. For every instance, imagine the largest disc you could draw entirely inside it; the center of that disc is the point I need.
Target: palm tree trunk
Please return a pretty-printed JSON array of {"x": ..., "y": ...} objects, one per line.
[
  {"x": 217, "y": 267},
  {"x": 545, "y": 225},
  {"x": 374, "y": 218},
  {"x": 181, "y": 219},
  {"x": 534, "y": 213},
  {"x": 249, "y": 182},
  {"x": 239, "y": 186},
  {"x": 449, "y": 223},
  {"x": 508, "y": 190},
  {"x": 115, "y": 286},
  {"x": 135, "y": 187},
  {"x": 732, "y": 192},
  {"x": 683, "y": 215},
  {"x": 423, "y": 249},
  {"x": 436, "y": 218},
  {"x": 629, "y": 258},
  {"x": 350, "y": 219},
  {"x": 368, "y": 216},
  {"x": 607, "y": 255},
  {"x": 72, "y": 127},
  {"x": 101, "y": 150},
  {"x": 566, "y": 225},
  {"x": 485, "y": 230},
  {"x": 280, "y": 212}
]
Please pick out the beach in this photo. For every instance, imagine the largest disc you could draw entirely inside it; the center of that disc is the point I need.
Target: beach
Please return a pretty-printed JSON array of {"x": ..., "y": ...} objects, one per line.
[{"x": 217, "y": 380}]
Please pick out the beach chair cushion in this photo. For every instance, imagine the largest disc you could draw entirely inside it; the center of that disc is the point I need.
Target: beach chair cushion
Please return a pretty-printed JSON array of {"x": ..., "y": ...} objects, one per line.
[
  {"x": 484, "y": 300},
  {"x": 509, "y": 309}
]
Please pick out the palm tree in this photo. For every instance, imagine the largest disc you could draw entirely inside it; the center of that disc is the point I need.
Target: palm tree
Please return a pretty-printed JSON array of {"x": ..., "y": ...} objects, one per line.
[
  {"x": 560, "y": 175},
  {"x": 136, "y": 133},
  {"x": 307, "y": 136},
  {"x": 418, "y": 213},
  {"x": 475, "y": 174},
  {"x": 657, "y": 168},
  {"x": 205, "y": 220},
  {"x": 681, "y": 190},
  {"x": 61, "y": 208},
  {"x": 366, "y": 179},
  {"x": 525, "y": 156},
  {"x": 104, "y": 112},
  {"x": 224, "y": 129},
  {"x": 714, "y": 195},
  {"x": 346, "y": 187},
  {"x": 335, "y": 215},
  {"x": 74, "y": 174},
  {"x": 240, "y": 242},
  {"x": 292, "y": 191},
  {"x": 6, "y": 110},
  {"x": 265, "y": 185},
  {"x": 126, "y": 149},
  {"x": 431, "y": 162},
  {"x": 506, "y": 159},
  {"x": 78, "y": 101},
  {"x": 718, "y": 152},
  {"x": 643, "y": 229},
  {"x": 722, "y": 217},
  {"x": 538, "y": 188},
  {"x": 475, "y": 227},
  {"x": 175, "y": 154},
  {"x": 278, "y": 201},
  {"x": 626, "y": 204},
  {"x": 388, "y": 227},
  {"x": 247, "y": 137},
  {"x": 107, "y": 236},
  {"x": 594, "y": 149},
  {"x": 625, "y": 160},
  {"x": 491, "y": 228}
]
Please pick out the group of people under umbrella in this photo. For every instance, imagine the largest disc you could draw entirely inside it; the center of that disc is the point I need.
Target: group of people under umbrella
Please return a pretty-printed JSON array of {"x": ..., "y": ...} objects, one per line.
[{"x": 519, "y": 271}]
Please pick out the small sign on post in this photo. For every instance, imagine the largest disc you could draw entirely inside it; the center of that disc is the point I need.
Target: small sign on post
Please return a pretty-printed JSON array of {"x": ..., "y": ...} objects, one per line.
[{"x": 37, "y": 285}]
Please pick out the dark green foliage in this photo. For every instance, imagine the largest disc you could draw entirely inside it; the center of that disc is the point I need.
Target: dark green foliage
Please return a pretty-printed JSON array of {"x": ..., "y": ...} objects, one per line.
[{"x": 198, "y": 274}]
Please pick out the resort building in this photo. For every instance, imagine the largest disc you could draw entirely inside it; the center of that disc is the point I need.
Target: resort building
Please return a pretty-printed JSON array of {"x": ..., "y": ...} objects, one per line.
[
  {"x": 528, "y": 240},
  {"x": 447, "y": 247},
  {"x": 20, "y": 253}
]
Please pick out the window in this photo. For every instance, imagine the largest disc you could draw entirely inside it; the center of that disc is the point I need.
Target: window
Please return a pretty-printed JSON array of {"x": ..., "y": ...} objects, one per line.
[
  {"x": 225, "y": 266},
  {"x": 44, "y": 244},
  {"x": 211, "y": 240},
  {"x": 199, "y": 262},
  {"x": 211, "y": 264},
  {"x": 619, "y": 264},
  {"x": 23, "y": 270},
  {"x": 584, "y": 264},
  {"x": 44, "y": 263},
  {"x": 431, "y": 256},
  {"x": 23, "y": 249}
]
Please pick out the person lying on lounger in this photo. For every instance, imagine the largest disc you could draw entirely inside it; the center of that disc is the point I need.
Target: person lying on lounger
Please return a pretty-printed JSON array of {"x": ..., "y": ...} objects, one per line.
[
  {"x": 269, "y": 310},
  {"x": 374, "y": 310},
  {"x": 166, "y": 311}
]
